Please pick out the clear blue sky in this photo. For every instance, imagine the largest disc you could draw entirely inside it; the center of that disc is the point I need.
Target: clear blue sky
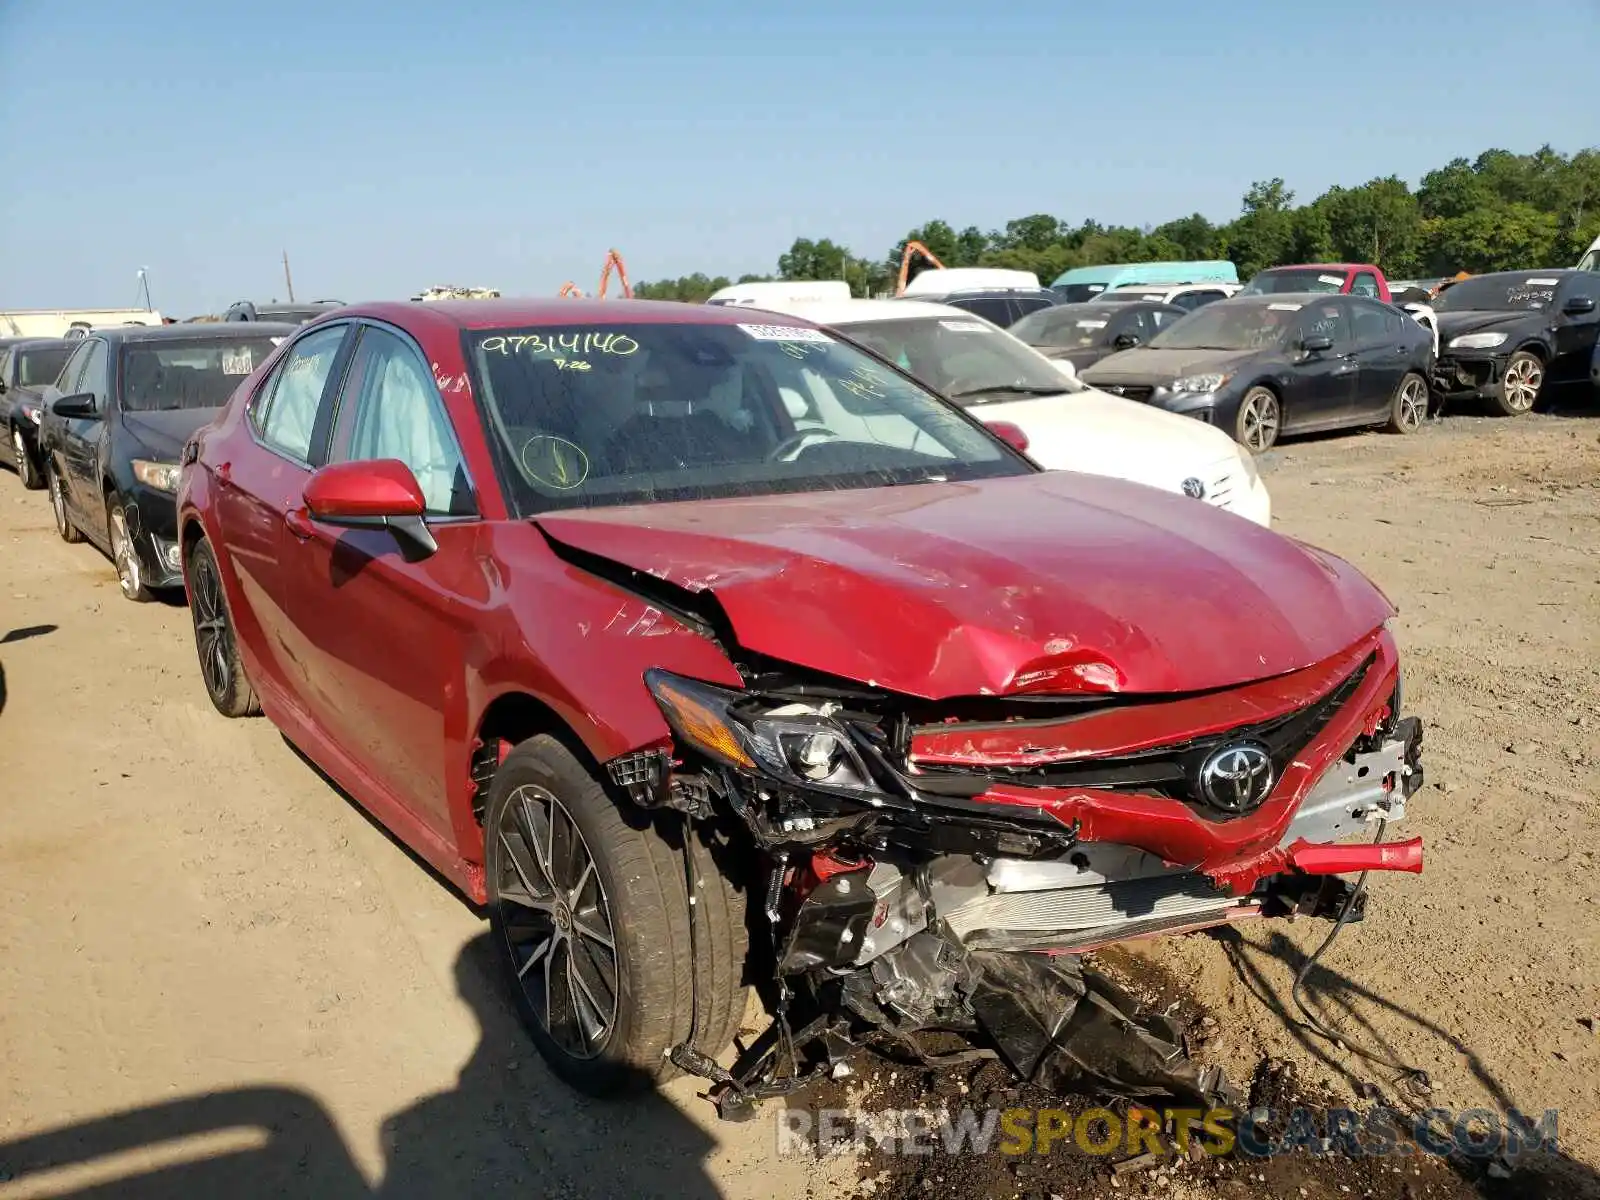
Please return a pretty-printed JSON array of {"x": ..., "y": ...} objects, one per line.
[{"x": 389, "y": 146}]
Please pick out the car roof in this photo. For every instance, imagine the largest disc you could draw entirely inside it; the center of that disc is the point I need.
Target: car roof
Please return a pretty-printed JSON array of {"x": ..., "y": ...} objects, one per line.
[
  {"x": 35, "y": 343},
  {"x": 1320, "y": 267},
  {"x": 1545, "y": 272},
  {"x": 508, "y": 313},
  {"x": 210, "y": 331}
]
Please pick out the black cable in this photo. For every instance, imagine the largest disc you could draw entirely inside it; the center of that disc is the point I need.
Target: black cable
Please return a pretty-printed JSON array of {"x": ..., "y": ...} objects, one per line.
[{"x": 1415, "y": 1076}]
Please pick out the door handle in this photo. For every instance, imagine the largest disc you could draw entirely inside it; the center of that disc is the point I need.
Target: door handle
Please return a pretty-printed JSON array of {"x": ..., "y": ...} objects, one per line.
[{"x": 299, "y": 522}]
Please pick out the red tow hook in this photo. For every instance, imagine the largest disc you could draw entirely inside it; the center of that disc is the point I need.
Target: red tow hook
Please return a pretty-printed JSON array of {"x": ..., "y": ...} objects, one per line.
[{"x": 1324, "y": 859}]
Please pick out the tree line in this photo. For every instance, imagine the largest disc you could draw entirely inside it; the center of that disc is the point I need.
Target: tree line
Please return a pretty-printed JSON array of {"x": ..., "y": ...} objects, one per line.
[{"x": 1500, "y": 211}]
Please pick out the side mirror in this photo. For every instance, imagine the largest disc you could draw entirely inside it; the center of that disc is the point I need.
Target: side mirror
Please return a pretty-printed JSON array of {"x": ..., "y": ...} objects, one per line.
[
  {"x": 1578, "y": 306},
  {"x": 76, "y": 407},
  {"x": 1126, "y": 341},
  {"x": 1317, "y": 344},
  {"x": 379, "y": 493},
  {"x": 1066, "y": 367},
  {"x": 1010, "y": 434}
]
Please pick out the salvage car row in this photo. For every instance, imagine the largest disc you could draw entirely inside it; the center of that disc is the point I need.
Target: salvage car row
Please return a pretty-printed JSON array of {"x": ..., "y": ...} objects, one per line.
[{"x": 712, "y": 648}]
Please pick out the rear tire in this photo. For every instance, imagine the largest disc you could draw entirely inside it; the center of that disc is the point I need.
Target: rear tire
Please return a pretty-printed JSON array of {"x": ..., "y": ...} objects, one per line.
[
  {"x": 214, "y": 638},
  {"x": 58, "y": 505},
  {"x": 590, "y": 922},
  {"x": 1520, "y": 385},
  {"x": 27, "y": 470},
  {"x": 1409, "y": 408}
]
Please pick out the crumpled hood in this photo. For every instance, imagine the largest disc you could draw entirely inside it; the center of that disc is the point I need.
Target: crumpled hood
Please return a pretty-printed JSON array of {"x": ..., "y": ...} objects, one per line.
[
  {"x": 1147, "y": 365},
  {"x": 1454, "y": 324},
  {"x": 164, "y": 432},
  {"x": 1053, "y": 582}
]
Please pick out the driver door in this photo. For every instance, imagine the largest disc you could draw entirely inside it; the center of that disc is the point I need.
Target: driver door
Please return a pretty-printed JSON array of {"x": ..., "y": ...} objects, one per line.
[
  {"x": 80, "y": 445},
  {"x": 1576, "y": 332},
  {"x": 1323, "y": 384},
  {"x": 385, "y": 632}
]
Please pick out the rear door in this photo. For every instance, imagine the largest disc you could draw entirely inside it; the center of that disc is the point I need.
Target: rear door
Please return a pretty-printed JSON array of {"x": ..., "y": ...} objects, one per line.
[
  {"x": 264, "y": 478},
  {"x": 356, "y": 597}
]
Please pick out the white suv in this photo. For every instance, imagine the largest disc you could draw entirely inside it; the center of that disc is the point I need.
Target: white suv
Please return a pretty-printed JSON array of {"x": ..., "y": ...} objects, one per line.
[{"x": 1188, "y": 296}]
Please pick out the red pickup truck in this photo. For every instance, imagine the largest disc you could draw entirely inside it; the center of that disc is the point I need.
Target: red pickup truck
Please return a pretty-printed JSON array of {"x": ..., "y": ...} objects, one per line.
[{"x": 1357, "y": 279}]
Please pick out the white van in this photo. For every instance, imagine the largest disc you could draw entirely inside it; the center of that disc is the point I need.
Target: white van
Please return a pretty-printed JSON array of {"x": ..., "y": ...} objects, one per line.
[
  {"x": 1591, "y": 259},
  {"x": 774, "y": 291}
]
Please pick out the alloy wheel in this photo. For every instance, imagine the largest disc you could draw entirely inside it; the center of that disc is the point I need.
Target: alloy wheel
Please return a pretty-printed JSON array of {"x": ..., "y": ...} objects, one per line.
[
  {"x": 557, "y": 922},
  {"x": 212, "y": 632},
  {"x": 1259, "y": 420},
  {"x": 1412, "y": 409},
  {"x": 1523, "y": 378},
  {"x": 124, "y": 555}
]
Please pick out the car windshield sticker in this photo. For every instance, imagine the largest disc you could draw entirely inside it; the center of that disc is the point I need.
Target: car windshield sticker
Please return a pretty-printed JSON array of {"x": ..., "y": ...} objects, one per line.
[
  {"x": 1530, "y": 295},
  {"x": 237, "y": 362},
  {"x": 554, "y": 462},
  {"x": 1541, "y": 283},
  {"x": 965, "y": 326},
  {"x": 1285, "y": 307},
  {"x": 1091, "y": 324},
  {"x": 1337, "y": 280},
  {"x": 593, "y": 341},
  {"x": 785, "y": 333}
]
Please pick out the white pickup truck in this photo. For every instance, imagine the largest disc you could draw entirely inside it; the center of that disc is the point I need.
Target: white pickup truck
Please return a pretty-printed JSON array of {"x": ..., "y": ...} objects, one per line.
[{"x": 71, "y": 322}]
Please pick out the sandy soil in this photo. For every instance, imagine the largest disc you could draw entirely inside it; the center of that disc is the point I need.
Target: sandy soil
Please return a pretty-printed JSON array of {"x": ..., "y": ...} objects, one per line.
[{"x": 218, "y": 976}]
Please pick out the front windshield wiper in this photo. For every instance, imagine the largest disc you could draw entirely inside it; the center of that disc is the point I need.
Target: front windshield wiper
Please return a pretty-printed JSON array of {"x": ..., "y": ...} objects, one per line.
[{"x": 1017, "y": 389}]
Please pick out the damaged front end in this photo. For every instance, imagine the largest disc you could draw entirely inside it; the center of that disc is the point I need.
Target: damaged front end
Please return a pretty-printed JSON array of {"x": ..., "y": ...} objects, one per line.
[{"x": 936, "y": 866}]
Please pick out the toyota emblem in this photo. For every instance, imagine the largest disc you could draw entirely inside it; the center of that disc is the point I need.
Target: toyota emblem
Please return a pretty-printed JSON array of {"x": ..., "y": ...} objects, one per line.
[
  {"x": 1237, "y": 777},
  {"x": 1194, "y": 488}
]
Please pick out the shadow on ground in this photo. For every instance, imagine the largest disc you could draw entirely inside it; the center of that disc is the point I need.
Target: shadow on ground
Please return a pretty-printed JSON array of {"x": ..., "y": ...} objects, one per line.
[{"x": 497, "y": 1129}]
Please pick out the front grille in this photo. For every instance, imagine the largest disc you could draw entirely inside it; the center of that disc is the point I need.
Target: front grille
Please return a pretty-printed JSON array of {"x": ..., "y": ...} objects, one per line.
[
  {"x": 1134, "y": 391},
  {"x": 1222, "y": 484},
  {"x": 1171, "y": 771}
]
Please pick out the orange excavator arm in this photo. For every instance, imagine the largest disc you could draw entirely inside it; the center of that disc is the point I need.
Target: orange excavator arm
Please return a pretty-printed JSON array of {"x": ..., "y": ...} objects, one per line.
[
  {"x": 570, "y": 290},
  {"x": 913, "y": 248}
]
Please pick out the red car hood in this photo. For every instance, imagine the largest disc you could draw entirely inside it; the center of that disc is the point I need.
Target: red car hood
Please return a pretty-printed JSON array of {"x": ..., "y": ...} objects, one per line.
[{"x": 1034, "y": 584}]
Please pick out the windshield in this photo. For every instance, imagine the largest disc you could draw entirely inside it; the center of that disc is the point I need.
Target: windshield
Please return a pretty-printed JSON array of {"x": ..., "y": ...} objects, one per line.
[
  {"x": 1294, "y": 279},
  {"x": 970, "y": 362},
  {"x": 39, "y": 368},
  {"x": 586, "y": 416},
  {"x": 1591, "y": 260},
  {"x": 1499, "y": 293},
  {"x": 188, "y": 372},
  {"x": 1065, "y": 327},
  {"x": 1077, "y": 293},
  {"x": 1229, "y": 326}
]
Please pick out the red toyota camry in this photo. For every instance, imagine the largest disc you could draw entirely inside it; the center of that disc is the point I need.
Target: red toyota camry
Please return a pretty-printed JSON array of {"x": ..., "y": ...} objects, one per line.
[{"x": 709, "y": 649}]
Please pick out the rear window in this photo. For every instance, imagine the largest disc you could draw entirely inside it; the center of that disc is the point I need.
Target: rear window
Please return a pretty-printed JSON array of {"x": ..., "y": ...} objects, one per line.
[
  {"x": 39, "y": 368},
  {"x": 189, "y": 373}
]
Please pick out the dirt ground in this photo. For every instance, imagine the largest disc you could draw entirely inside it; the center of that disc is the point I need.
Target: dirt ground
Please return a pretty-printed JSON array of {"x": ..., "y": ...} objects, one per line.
[{"x": 217, "y": 976}]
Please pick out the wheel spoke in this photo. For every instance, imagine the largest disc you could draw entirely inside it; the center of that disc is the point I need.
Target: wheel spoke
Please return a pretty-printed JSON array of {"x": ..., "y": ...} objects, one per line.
[
  {"x": 535, "y": 819},
  {"x": 592, "y": 934},
  {"x": 525, "y": 870},
  {"x": 540, "y": 951},
  {"x": 584, "y": 1003}
]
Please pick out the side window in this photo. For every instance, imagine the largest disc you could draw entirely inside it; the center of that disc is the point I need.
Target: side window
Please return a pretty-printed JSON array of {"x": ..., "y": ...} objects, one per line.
[
  {"x": 67, "y": 381},
  {"x": 1326, "y": 318},
  {"x": 96, "y": 376},
  {"x": 1162, "y": 318},
  {"x": 1370, "y": 325},
  {"x": 1393, "y": 322},
  {"x": 286, "y": 407},
  {"x": 1031, "y": 304},
  {"x": 1196, "y": 299},
  {"x": 990, "y": 308},
  {"x": 1366, "y": 284},
  {"x": 392, "y": 409}
]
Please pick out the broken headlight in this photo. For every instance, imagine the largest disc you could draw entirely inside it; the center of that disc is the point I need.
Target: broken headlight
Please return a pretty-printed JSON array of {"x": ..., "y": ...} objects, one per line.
[{"x": 795, "y": 743}]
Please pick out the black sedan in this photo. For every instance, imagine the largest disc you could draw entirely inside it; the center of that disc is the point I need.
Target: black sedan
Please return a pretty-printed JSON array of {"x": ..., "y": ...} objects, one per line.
[
  {"x": 27, "y": 367},
  {"x": 1085, "y": 333},
  {"x": 1261, "y": 366},
  {"x": 109, "y": 444},
  {"x": 1504, "y": 336}
]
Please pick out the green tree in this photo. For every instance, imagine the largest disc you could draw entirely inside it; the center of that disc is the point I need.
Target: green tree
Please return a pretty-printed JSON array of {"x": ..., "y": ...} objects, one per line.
[{"x": 1195, "y": 236}]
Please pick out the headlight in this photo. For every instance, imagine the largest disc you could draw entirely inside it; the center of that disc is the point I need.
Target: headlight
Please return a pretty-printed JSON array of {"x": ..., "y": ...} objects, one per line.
[
  {"x": 161, "y": 476},
  {"x": 1200, "y": 383},
  {"x": 31, "y": 411},
  {"x": 1477, "y": 341},
  {"x": 795, "y": 743}
]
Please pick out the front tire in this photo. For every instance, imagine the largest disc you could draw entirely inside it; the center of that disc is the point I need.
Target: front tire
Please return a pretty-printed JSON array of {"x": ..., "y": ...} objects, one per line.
[
  {"x": 1520, "y": 384},
  {"x": 27, "y": 471},
  {"x": 58, "y": 506},
  {"x": 1259, "y": 420},
  {"x": 590, "y": 921},
  {"x": 214, "y": 639},
  {"x": 130, "y": 576},
  {"x": 1409, "y": 408}
]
